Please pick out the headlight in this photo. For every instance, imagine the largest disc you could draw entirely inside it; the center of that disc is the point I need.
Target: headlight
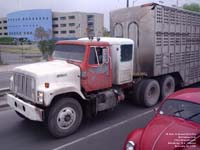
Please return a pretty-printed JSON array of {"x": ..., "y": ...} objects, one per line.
[
  {"x": 40, "y": 97},
  {"x": 130, "y": 145}
]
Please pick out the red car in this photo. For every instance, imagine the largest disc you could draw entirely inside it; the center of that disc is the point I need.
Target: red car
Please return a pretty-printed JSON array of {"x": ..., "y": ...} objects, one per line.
[{"x": 176, "y": 125}]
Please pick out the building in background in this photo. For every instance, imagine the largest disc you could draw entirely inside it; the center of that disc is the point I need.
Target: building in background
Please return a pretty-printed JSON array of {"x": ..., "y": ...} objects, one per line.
[
  {"x": 77, "y": 24},
  {"x": 24, "y": 23},
  {"x": 59, "y": 25},
  {"x": 3, "y": 27}
]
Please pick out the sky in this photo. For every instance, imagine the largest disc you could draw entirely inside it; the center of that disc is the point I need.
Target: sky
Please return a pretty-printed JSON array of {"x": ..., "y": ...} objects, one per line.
[{"x": 99, "y": 6}]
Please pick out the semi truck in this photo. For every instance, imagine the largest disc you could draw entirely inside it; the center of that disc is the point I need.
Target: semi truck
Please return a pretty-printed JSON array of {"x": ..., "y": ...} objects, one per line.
[
  {"x": 87, "y": 76},
  {"x": 167, "y": 45}
]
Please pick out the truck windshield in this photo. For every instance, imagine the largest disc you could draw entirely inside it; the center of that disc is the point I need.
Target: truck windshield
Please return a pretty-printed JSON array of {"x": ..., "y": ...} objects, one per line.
[{"x": 69, "y": 52}]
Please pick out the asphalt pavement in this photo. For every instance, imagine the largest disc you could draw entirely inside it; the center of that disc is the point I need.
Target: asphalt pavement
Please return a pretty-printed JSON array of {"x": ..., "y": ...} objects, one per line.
[{"x": 107, "y": 131}]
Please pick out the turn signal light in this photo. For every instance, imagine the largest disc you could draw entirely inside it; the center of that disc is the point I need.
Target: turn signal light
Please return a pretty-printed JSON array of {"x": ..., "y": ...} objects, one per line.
[{"x": 46, "y": 85}]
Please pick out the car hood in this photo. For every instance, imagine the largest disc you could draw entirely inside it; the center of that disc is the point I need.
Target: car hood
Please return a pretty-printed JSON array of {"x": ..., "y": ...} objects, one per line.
[{"x": 165, "y": 132}]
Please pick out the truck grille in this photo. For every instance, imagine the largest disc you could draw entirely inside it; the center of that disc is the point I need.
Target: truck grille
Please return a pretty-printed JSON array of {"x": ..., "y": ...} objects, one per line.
[{"x": 24, "y": 86}]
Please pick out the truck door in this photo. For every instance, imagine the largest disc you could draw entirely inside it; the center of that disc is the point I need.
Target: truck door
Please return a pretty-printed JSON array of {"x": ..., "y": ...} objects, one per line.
[{"x": 99, "y": 70}]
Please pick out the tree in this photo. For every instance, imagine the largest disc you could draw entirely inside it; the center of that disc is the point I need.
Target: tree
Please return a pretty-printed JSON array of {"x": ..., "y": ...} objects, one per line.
[
  {"x": 106, "y": 33},
  {"x": 46, "y": 47},
  {"x": 42, "y": 34},
  {"x": 192, "y": 7}
]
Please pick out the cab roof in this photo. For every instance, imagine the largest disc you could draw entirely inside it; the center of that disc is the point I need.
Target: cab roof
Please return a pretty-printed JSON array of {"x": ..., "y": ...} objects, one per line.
[
  {"x": 189, "y": 94},
  {"x": 82, "y": 42},
  {"x": 110, "y": 40}
]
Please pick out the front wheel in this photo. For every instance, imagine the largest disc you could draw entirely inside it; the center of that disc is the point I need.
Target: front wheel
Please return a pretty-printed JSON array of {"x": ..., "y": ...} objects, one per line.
[{"x": 64, "y": 117}]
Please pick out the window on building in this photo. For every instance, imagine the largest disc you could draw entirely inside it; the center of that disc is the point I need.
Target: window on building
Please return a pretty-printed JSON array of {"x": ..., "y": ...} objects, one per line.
[
  {"x": 36, "y": 18},
  {"x": 5, "y": 27},
  {"x": 71, "y": 17},
  {"x": 4, "y": 21},
  {"x": 72, "y": 31},
  {"x": 0, "y": 28},
  {"x": 63, "y": 32},
  {"x": 63, "y": 25},
  {"x": 40, "y": 18},
  {"x": 5, "y": 33},
  {"x": 0, "y": 33},
  {"x": 0, "y": 22},
  {"x": 43, "y": 18},
  {"x": 90, "y": 23},
  {"x": 55, "y": 32},
  {"x": 55, "y": 19},
  {"x": 90, "y": 18},
  {"x": 62, "y": 18},
  {"x": 55, "y": 25},
  {"x": 71, "y": 24},
  {"x": 47, "y": 18}
]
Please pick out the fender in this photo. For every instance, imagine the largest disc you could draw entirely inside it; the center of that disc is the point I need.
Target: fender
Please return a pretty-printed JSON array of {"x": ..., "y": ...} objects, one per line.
[
  {"x": 58, "y": 90},
  {"x": 135, "y": 136}
]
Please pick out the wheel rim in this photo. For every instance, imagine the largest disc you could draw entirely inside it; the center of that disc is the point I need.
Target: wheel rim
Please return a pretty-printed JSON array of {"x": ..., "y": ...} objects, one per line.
[
  {"x": 66, "y": 118},
  {"x": 152, "y": 93}
]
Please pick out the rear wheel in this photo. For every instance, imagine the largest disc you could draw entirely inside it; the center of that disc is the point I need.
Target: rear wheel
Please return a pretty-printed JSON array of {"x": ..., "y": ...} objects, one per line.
[
  {"x": 138, "y": 90},
  {"x": 64, "y": 117},
  {"x": 167, "y": 86},
  {"x": 149, "y": 93}
]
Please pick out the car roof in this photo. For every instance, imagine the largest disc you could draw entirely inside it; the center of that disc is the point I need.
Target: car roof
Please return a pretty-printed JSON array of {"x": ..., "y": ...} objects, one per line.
[
  {"x": 188, "y": 94},
  {"x": 82, "y": 42}
]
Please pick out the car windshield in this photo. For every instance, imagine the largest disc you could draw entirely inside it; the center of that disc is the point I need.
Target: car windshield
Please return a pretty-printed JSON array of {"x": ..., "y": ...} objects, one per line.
[
  {"x": 182, "y": 109},
  {"x": 69, "y": 52}
]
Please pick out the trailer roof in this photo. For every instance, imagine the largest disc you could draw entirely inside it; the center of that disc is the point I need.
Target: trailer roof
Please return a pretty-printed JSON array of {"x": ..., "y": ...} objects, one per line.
[{"x": 110, "y": 40}]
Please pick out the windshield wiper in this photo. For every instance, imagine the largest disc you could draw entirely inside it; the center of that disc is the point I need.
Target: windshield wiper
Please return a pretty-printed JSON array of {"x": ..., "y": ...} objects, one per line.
[
  {"x": 189, "y": 118},
  {"x": 178, "y": 113}
]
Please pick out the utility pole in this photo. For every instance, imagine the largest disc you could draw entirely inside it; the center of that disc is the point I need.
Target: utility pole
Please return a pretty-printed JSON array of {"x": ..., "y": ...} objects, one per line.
[
  {"x": 177, "y": 4},
  {"x": 127, "y": 3},
  {"x": 134, "y": 2}
]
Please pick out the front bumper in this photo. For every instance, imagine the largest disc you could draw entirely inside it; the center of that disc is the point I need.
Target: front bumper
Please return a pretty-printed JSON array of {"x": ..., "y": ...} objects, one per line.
[{"x": 29, "y": 111}]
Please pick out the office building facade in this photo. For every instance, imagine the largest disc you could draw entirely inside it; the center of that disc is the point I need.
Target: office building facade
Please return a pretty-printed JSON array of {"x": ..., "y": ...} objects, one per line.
[
  {"x": 59, "y": 25},
  {"x": 3, "y": 27},
  {"x": 24, "y": 23},
  {"x": 77, "y": 24}
]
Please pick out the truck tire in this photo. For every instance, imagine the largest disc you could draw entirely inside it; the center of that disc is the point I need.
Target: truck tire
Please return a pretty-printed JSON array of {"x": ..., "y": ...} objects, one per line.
[
  {"x": 150, "y": 93},
  {"x": 167, "y": 86},
  {"x": 64, "y": 117},
  {"x": 138, "y": 89}
]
